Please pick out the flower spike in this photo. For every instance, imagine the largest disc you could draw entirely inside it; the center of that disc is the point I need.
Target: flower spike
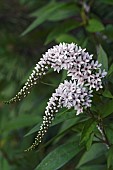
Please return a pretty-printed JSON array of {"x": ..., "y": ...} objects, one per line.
[
  {"x": 62, "y": 56},
  {"x": 85, "y": 76},
  {"x": 33, "y": 79},
  {"x": 69, "y": 94},
  {"x": 50, "y": 112}
]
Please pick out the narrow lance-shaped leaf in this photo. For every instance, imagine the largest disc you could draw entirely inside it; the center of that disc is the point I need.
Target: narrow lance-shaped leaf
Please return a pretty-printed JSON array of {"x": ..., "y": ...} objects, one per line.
[
  {"x": 110, "y": 158},
  {"x": 110, "y": 71},
  {"x": 66, "y": 37},
  {"x": 20, "y": 122},
  {"x": 106, "y": 109},
  {"x": 59, "y": 157},
  {"x": 95, "y": 25},
  {"x": 87, "y": 132},
  {"x": 67, "y": 26},
  {"x": 95, "y": 152},
  {"x": 102, "y": 58},
  {"x": 107, "y": 93},
  {"x": 43, "y": 17}
]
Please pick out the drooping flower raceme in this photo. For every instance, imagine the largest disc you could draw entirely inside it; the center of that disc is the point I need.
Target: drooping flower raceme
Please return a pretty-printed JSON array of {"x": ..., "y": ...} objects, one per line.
[
  {"x": 69, "y": 94},
  {"x": 85, "y": 76}
]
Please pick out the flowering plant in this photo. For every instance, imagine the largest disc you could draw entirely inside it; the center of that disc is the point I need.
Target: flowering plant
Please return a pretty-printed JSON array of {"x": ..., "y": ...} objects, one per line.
[{"x": 85, "y": 76}]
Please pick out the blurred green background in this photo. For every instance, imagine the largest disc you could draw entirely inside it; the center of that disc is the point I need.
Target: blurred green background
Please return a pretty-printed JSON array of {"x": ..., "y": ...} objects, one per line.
[{"x": 27, "y": 29}]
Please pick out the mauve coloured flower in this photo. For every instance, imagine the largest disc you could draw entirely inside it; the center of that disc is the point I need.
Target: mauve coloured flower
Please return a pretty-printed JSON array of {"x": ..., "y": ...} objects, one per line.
[{"x": 85, "y": 76}]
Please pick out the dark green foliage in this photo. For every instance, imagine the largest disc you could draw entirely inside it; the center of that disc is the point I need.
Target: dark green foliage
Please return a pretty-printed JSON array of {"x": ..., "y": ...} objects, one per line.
[{"x": 27, "y": 29}]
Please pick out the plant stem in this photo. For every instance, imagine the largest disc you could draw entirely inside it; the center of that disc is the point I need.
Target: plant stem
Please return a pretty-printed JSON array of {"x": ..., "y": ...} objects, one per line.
[
  {"x": 103, "y": 133},
  {"x": 101, "y": 129}
]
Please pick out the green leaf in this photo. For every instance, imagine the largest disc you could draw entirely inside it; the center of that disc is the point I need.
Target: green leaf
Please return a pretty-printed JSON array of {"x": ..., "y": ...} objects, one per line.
[
  {"x": 110, "y": 158},
  {"x": 70, "y": 125},
  {"x": 65, "y": 128},
  {"x": 60, "y": 117},
  {"x": 106, "y": 109},
  {"x": 5, "y": 164},
  {"x": 102, "y": 58},
  {"x": 63, "y": 116},
  {"x": 87, "y": 131},
  {"x": 67, "y": 10},
  {"x": 109, "y": 132},
  {"x": 93, "y": 167},
  {"x": 63, "y": 13},
  {"x": 49, "y": 84},
  {"x": 89, "y": 141},
  {"x": 109, "y": 2},
  {"x": 66, "y": 38},
  {"x": 109, "y": 31},
  {"x": 107, "y": 93},
  {"x": 94, "y": 25},
  {"x": 20, "y": 122},
  {"x": 110, "y": 70},
  {"x": 61, "y": 29},
  {"x": 43, "y": 17},
  {"x": 35, "y": 24},
  {"x": 59, "y": 157},
  {"x": 33, "y": 130},
  {"x": 40, "y": 11},
  {"x": 95, "y": 152}
]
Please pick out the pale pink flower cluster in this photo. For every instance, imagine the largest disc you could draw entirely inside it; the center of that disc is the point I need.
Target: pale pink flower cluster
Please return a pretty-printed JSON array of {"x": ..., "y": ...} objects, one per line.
[
  {"x": 71, "y": 94},
  {"x": 85, "y": 76},
  {"x": 77, "y": 62},
  {"x": 70, "y": 57}
]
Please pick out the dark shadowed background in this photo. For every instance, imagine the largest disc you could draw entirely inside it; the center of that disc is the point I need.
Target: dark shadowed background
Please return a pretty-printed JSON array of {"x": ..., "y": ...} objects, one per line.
[{"x": 27, "y": 29}]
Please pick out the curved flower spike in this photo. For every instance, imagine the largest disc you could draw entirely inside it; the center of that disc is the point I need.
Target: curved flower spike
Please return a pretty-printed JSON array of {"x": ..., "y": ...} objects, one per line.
[
  {"x": 85, "y": 74},
  {"x": 33, "y": 79},
  {"x": 50, "y": 111},
  {"x": 69, "y": 94},
  {"x": 62, "y": 56}
]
